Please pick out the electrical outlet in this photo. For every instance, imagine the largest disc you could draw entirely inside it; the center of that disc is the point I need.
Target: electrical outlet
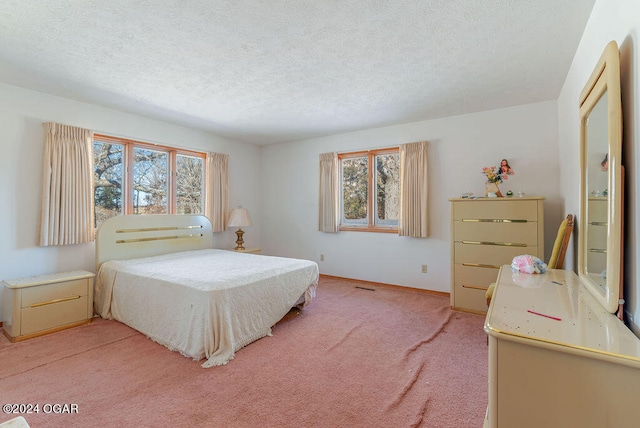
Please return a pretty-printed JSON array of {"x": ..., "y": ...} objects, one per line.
[
  {"x": 321, "y": 257},
  {"x": 424, "y": 268}
]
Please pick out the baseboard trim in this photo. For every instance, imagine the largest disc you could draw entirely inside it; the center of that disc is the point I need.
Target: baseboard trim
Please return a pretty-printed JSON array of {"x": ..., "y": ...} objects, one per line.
[{"x": 383, "y": 284}]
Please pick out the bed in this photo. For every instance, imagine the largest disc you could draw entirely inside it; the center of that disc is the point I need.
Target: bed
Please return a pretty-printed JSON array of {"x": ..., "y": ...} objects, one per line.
[{"x": 160, "y": 275}]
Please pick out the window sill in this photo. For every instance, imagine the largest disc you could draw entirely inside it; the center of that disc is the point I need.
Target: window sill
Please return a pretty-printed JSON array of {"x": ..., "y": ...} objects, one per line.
[{"x": 369, "y": 229}]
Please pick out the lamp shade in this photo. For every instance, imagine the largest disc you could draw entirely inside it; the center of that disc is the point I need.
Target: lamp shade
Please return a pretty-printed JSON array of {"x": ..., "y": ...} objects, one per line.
[{"x": 239, "y": 218}]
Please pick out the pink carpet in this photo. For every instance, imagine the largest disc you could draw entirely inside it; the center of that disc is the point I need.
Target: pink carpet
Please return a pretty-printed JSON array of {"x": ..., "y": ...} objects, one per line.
[{"x": 353, "y": 358}]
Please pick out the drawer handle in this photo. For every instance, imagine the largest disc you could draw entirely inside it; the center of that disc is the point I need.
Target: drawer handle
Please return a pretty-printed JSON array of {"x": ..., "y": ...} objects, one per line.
[
  {"x": 501, "y": 244},
  {"x": 598, "y": 223},
  {"x": 598, "y": 250},
  {"x": 481, "y": 265},
  {"x": 493, "y": 220},
  {"x": 51, "y": 302},
  {"x": 475, "y": 287}
]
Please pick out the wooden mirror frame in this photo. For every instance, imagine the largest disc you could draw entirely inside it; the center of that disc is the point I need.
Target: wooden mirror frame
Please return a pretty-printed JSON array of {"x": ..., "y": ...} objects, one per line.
[{"x": 604, "y": 79}]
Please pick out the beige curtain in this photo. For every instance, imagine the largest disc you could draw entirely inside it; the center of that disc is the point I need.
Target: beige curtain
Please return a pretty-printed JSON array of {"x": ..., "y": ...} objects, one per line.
[
  {"x": 217, "y": 198},
  {"x": 413, "y": 190},
  {"x": 66, "y": 204},
  {"x": 329, "y": 202}
]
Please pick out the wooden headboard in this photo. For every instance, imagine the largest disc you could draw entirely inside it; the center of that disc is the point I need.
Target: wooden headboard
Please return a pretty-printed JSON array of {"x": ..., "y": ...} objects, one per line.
[{"x": 131, "y": 236}]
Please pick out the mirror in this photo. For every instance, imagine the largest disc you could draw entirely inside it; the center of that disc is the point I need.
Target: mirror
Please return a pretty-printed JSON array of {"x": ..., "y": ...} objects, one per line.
[{"x": 600, "y": 227}]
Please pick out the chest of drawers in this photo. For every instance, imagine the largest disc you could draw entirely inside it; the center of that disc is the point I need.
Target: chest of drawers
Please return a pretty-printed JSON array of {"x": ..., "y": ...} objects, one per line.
[
  {"x": 42, "y": 304},
  {"x": 486, "y": 234}
]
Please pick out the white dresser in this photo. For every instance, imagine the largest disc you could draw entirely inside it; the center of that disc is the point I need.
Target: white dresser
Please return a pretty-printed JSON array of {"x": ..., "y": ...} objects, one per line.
[
  {"x": 42, "y": 304},
  {"x": 557, "y": 358},
  {"x": 485, "y": 234}
]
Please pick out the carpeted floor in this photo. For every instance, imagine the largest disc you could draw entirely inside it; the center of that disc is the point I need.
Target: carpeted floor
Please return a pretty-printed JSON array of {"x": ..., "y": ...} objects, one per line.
[{"x": 353, "y": 358}]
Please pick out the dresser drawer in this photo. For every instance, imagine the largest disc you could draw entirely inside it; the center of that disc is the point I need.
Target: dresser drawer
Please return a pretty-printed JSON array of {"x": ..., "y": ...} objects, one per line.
[
  {"x": 470, "y": 298},
  {"x": 597, "y": 238},
  {"x": 518, "y": 233},
  {"x": 52, "y": 292},
  {"x": 470, "y": 286},
  {"x": 510, "y": 209},
  {"x": 597, "y": 210},
  {"x": 473, "y": 276},
  {"x": 49, "y": 316},
  {"x": 496, "y": 255}
]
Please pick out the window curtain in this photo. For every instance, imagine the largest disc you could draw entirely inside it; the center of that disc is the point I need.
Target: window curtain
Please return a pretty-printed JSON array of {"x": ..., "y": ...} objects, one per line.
[
  {"x": 66, "y": 203},
  {"x": 413, "y": 190},
  {"x": 329, "y": 202},
  {"x": 217, "y": 198}
]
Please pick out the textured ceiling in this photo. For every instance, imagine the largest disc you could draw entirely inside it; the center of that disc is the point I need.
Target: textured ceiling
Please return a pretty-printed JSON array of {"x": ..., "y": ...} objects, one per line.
[{"x": 268, "y": 71}]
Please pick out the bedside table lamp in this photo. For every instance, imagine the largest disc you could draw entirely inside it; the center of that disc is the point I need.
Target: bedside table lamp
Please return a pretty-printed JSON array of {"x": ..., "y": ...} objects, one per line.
[{"x": 239, "y": 218}]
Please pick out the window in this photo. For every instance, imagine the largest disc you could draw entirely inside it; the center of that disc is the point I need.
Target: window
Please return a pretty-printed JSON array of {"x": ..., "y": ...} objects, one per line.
[
  {"x": 189, "y": 184},
  {"x": 107, "y": 180},
  {"x": 370, "y": 183},
  {"x": 132, "y": 177},
  {"x": 150, "y": 181}
]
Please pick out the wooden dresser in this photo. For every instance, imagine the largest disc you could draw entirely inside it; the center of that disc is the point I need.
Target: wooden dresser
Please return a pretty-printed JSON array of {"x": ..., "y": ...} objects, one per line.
[
  {"x": 42, "y": 304},
  {"x": 556, "y": 357},
  {"x": 487, "y": 233}
]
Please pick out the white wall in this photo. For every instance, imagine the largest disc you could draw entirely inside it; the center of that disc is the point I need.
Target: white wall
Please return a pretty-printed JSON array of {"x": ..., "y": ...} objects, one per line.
[
  {"x": 459, "y": 147},
  {"x": 22, "y": 113},
  {"x": 610, "y": 20}
]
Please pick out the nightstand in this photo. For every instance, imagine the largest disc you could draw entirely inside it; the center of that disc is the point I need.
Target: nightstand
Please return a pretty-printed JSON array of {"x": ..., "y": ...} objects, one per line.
[
  {"x": 249, "y": 250},
  {"x": 38, "y": 305}
]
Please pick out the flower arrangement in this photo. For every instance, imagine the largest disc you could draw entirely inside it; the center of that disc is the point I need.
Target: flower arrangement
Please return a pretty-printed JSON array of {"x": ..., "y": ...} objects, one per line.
[
  {"x": 496, "y": 174},
  {"x": 492, "y": 174}
]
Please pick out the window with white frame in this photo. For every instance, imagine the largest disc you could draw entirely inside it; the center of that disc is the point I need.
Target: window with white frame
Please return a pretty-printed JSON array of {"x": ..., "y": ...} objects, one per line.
[{"x": 370, "y": 190}]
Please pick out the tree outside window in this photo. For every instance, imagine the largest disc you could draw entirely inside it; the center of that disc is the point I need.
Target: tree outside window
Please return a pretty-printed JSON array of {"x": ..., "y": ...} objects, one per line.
[
  {"x": 107, "y": 180},
  {"x": 189, "y": 184},
  {"x": 367, "y": 190},
  {"x": 150, "y": 174},
  {"x": 158, "y": 179}
]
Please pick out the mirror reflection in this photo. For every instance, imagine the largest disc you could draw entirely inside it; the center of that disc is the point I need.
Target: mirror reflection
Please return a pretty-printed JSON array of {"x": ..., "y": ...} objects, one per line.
[{"x": 597, "y": 147}]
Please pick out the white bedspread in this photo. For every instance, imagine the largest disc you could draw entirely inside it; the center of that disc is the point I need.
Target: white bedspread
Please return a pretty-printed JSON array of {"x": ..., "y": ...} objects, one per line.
[{"x": 205, "y": 303}]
